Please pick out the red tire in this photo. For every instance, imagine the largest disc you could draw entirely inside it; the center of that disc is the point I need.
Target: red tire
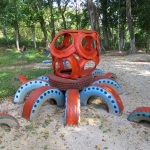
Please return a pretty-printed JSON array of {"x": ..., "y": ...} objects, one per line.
[{"x": 72, "y": 111}]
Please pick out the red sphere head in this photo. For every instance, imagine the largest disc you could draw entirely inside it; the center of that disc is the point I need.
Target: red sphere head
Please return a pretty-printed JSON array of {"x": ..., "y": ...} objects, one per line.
[{"x": 73, "y": 53}]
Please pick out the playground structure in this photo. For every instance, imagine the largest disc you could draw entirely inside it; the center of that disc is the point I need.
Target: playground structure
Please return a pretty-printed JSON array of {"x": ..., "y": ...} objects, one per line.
[{"x": 73, "y": 84}]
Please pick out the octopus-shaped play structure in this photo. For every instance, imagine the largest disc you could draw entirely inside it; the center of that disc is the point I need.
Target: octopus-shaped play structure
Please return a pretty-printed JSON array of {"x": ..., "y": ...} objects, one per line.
[{"x": 73, "y": 82}]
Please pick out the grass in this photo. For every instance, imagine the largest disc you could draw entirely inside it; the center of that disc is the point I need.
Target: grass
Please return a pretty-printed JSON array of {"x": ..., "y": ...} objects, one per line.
[
  {"x": 13, "y": 57},
  {"x": 8, "y": 58}
]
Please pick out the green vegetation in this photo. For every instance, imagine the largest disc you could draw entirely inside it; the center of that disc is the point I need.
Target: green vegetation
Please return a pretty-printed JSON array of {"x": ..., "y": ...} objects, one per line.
[
  {"x": 121, "y": 24},
  {"x": 13, "y": 63},
  {"x": 13, "y": 57}
]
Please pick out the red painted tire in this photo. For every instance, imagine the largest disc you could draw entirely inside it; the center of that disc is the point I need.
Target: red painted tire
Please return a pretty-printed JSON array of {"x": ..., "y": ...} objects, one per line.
[
  {"x": 108, "y": 75},
  {"x": 74, "y": 65},
  {"x": 84, "y": 50},
  {"x": 38, "y": 97},
  {"x": 59, "y": 52},
  {"x": 65, "y": 84},
  {"x": 145, "y": 109},
  {"x": 85, "y": 72},
  {"x": 72, "y": 110}
]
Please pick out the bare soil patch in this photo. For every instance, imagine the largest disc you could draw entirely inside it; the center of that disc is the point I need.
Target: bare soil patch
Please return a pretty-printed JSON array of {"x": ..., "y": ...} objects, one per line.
[{"x": 98, "y": 128}]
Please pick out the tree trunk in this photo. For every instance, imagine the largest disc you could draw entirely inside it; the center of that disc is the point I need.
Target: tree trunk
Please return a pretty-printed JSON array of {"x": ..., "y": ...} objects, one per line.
[
  {"x": 94, "y": 20},
  {"x": 132, "y": 49},
  {"x": 43, "y": 26},
  {"x": 33, "y": 36},
  {"x": 52, "y": 19},
  {"x": 4, "y": 31},
  {"x": 148, "y": 43},
  {"x": 121, "y": 37},
  {"x": 121, "y": 24},
  {"x": 93, "y": 16},
  {"x": 17, "y": 36},
  {"x": 77, "y": 21},
  {"x": 105, "y": 23},
  {"x": 105, "y": 38},
  {"x": 62, "y": 13}
]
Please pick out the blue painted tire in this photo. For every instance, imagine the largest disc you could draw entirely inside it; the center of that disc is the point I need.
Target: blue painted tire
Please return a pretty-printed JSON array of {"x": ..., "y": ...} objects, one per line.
[
  {"x": 26, "y": 88},
  {"x": 107, "y": 97},
  {"x": 110, "y": 83},
  {"x": 98, "y": 72},
  {"x": 45, "y": 78},
  {"x": 139, "y": 116}
]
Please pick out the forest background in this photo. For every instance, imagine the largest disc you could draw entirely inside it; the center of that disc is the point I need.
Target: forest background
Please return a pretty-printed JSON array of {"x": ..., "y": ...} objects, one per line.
[{"x": 123, "y": 25}]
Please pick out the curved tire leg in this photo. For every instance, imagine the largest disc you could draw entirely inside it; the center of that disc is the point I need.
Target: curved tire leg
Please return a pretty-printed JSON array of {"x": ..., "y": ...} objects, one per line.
[
  {"x": 72, "y": 110},
  {"x": 38, "y": 97},
  {"x": 140, "y": 114},
  {"x": 28, "y": 87},
  {"x": 115, "y": 94},
  {"x": 98, "y": 72},
  {"x": 110, "y": 83},
  {"x": 106, "y": 95},
  {"x": 44, "y": 77},
  {"x": 9, "y": 120}
]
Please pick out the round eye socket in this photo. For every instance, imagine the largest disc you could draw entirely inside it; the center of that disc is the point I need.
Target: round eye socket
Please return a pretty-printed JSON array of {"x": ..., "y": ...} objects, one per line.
[
  {"x": 89, "y": 64},
  {"x": 88, "y": 43},
  {"x": 63, "y": 41}
]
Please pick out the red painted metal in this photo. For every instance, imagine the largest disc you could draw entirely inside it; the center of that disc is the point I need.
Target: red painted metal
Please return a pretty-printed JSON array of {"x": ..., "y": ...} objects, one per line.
[
  {"x": 84, "y": 44},
  {"x": 72, "y": 107}
]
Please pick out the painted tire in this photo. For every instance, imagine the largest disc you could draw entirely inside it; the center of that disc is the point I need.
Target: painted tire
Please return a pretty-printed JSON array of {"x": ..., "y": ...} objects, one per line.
[
  {"x": 107, "y": 97},
  {"x": 72, "y": 110},
  {"x": 108, "y": 75},
  {"x": 82, "y": 50},
  {"x": 57, "y": 52},
  {"x": 74, "y": 65},
  {"x": 64, "y": 84},
  {"x": 38, "y": 97},
  {"x": 115, "y": 94},
  {"x": 9, "y": 120},
  {"x": 98, "y": 72},
  {"x": 110, "y": 83},
  {"x": 85, "y": 72},
  {"x": 28, "y": 87},
  {"x": 22, "y": 78},
  {"x": 45, "y": 78},
  {"x": 140, "y": 114}
]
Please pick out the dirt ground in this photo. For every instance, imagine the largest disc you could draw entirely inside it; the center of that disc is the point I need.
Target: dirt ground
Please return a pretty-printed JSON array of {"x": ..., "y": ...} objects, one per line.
[{"x": 98, "y": 129}]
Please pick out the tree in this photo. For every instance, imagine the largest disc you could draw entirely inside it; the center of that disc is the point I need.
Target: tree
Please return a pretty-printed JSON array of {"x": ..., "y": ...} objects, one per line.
[
  {"x": 40, "y": 14},
  {"x": 62, "y": 5},
  {"x": 132, "y": 49},
  {"x": 94, "y": 20},
  {"x": 50, "y": 2},
  {"x": 29, "y": 18},
  {"x": 121, "y": 24}
]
